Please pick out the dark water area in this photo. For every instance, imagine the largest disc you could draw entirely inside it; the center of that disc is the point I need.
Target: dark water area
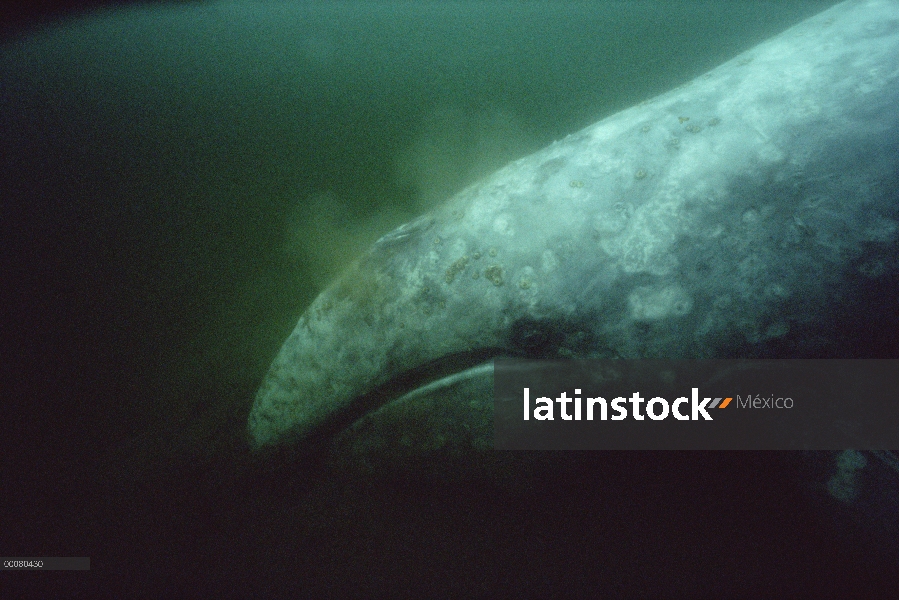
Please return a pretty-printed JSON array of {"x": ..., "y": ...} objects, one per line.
[{"x": 177, "y": 184}]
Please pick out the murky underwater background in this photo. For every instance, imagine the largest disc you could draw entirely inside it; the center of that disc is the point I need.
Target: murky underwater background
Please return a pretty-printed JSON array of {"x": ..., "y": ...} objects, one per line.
[{"x": 180, "y": 181}]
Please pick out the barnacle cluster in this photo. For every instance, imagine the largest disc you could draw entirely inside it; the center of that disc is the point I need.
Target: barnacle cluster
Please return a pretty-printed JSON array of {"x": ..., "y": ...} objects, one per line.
[
  {"x": 456, "y": 268},
  {"x": 494, "y": 275}
]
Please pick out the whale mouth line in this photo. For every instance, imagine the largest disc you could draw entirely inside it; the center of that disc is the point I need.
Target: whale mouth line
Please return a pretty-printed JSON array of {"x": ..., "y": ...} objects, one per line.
[{"x": 422, "y": 378}]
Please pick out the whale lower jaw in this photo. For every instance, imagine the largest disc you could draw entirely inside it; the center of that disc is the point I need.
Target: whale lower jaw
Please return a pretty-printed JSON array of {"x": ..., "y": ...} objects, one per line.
[
  {"x": 439, "y": 384},
  {"x": 437, "y": 430}
]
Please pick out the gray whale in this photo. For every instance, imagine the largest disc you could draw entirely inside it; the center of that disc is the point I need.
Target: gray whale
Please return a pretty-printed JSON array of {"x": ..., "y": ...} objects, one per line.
[{"x": 753, "y": 211}]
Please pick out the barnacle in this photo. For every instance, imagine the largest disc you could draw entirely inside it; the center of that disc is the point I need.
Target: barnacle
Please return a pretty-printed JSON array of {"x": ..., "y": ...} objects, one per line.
[
  {"x": 456, "y": 268},
  {"x": 494, "y": 274}
]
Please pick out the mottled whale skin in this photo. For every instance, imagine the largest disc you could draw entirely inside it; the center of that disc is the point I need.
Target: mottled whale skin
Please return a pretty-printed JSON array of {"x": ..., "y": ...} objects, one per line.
[{"x": 753, "y": 211}]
